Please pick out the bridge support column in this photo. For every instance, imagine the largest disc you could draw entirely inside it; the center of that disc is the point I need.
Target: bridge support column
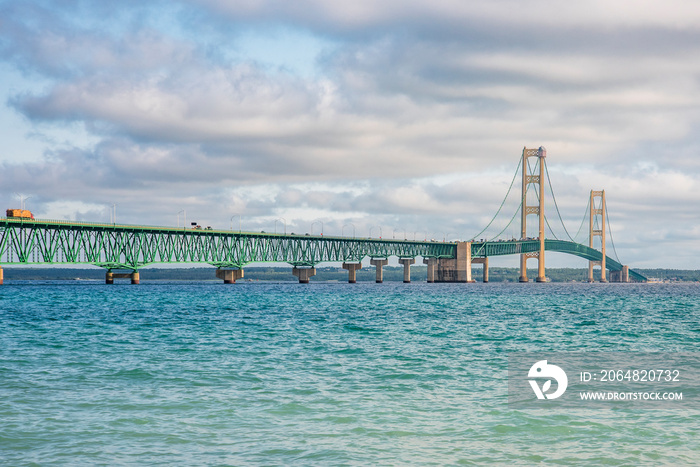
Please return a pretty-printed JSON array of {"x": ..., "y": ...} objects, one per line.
[
  {"x": 590, "y": 270},
  {"x": 623, "y": 275},
  {"x": 110, "y": 276},
  {"x": 602, "y": 271},
  {"x": 464, "y": 262},
  {"x": 352, "y": 271},
  {"x": 528, "y": 179},
  {"x": 540, "y": 264},
  {"x": 229, "y": 276},
  {"x": 485, "y": 262},
  {"x": 432, "y": 265},
  {"x": 379, "y": 263},
  {"x": 459, "y": 268},
  {"x": 523, "y": 269},
  {"x": 304, "y": 274},
  {"x": 2, "y": 277},
  {"x": 407, "y": 262},
  {"x": 594, "y": 213}
]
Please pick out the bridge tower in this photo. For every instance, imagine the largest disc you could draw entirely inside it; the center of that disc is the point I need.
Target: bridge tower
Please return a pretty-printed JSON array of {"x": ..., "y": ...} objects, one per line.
[
  {"x": 596, "y": 212},
  {"x": 529, "y": 179}
]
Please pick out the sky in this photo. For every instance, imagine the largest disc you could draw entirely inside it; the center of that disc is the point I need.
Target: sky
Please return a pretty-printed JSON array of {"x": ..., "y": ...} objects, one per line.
[{"x": 404, "y": 119}]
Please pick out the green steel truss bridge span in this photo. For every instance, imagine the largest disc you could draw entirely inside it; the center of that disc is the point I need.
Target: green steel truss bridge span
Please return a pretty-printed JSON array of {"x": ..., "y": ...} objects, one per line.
[{"x": 130, "y": 247}]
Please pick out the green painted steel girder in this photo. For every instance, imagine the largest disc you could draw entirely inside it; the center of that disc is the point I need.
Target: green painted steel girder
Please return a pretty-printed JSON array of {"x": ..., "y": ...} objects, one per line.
[
  {"x": 111, "y": 246},
  {"x": 484, "y": 249},
  {"x": 132, "y": 247}
]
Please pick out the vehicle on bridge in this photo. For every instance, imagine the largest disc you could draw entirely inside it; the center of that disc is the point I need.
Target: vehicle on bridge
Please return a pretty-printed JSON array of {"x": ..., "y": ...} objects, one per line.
[{"x": 20, "y": 213}]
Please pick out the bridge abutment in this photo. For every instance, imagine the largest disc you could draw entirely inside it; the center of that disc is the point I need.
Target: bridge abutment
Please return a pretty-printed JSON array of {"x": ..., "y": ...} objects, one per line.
[
  {"x": 304, "y": 274},
  {"x": 407, "y": 262},
  {"x": 229, "y": 276},
  {"x": 379, "y": 263},
  {"x": 457, "y": 269},
  {"x": 352, "y": 269}
]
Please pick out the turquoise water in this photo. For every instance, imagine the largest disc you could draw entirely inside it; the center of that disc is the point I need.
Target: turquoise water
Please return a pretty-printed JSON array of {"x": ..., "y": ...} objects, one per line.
[{"x": 324, "y": 374}]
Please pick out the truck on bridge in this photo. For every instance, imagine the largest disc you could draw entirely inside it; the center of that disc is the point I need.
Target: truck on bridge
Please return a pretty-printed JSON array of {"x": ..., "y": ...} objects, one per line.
[{"x": 20, "y": 213}]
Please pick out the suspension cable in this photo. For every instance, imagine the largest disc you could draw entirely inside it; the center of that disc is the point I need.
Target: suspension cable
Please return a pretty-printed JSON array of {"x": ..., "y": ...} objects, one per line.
[
  {"x": 503, "y": 202},
  {"x": 483, "y": 245},
  {"x": 555, "y": 200},
  {"x": 607, "y": 219},
  {"x": 537, "y": 194},
  {"x": 518, "y": 210},
  {"x": 550, "y": 228},
  {"x": 588, "y": 205}
]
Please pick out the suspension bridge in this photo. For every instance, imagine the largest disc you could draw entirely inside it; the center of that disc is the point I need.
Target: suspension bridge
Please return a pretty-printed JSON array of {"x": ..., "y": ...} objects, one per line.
[{"x": 122, "y": 250}]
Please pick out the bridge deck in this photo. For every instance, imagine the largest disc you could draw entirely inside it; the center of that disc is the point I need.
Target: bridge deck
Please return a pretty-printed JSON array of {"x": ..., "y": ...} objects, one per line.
[{"x": 119, "y": 246}]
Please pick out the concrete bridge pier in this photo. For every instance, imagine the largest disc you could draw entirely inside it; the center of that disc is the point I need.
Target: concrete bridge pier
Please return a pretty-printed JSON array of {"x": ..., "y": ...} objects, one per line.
[
  {"x": 485, "y": 262},
  {"x": 602, "y": 271},
  {"x": 459, "y": 268},
  {"x": 134, "y": 276},
  {"x": 229, "y": 276},
  {"x": 304, "y": 274},
  {"x": 407, "y": 262},
  {"x": 432, "y": 266},
  {"x": 379, "y": 263},
  {"x": 352, "y": 269},
  {"x": 622, "y": 275}
]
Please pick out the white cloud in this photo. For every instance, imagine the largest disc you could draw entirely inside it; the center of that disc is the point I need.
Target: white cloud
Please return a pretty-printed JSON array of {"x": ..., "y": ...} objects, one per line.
[{"x": 405, "y": 114}]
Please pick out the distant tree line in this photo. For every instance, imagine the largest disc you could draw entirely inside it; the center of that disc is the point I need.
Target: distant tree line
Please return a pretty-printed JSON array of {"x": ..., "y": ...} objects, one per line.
[{"x": 330, "y": 273}]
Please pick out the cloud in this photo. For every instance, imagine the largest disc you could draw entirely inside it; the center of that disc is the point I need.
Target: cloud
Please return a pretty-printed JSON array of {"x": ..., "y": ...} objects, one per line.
[{"x": 414, "y": 114}]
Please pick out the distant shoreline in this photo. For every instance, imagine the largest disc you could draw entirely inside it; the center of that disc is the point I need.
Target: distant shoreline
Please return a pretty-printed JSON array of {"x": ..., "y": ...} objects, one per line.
[{"x": 328, "y": 273}]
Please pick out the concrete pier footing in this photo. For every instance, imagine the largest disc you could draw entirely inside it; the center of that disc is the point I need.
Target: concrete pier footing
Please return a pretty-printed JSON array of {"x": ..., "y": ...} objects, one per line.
[
  {"x": 352, "y": 269},
  {"x": 304, "y": 274},
  {"x": 229, "y": 276},
  {"x": 134, "y": 276},
  {"x": 379, "y": 263},
  {"x": 407, "y": 262},
  {"x": 458, "y": 269},
  {"x": 485, "y": 262},
  {"x": 432, "y": 266},
  {"x": 620, "y": 276}
]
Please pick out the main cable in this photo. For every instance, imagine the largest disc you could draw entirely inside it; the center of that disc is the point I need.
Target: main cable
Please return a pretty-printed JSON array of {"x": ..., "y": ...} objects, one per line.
[
  {"x": 587, "y": 211},
  {"x": 502, "y": 203},
  {"x": 555, "y": 201},
  {"x": 607, "y": 219}
]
